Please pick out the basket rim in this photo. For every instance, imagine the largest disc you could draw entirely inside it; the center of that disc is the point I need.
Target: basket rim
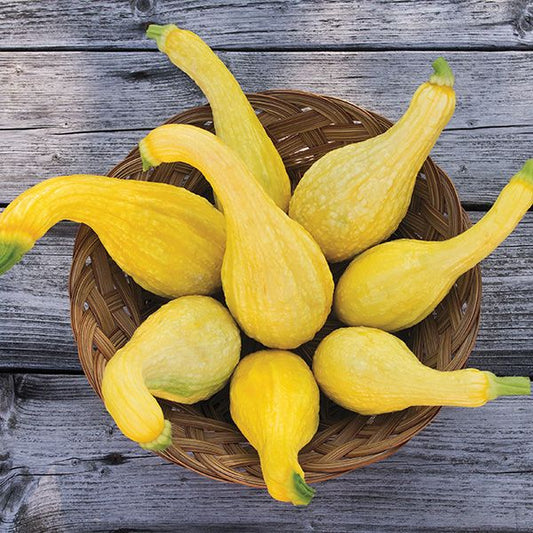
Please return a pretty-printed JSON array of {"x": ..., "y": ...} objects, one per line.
[{"x": 430, "y": 412}]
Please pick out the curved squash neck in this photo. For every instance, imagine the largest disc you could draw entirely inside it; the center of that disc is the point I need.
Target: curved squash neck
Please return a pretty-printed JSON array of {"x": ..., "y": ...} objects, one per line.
[
  {"x": 283, "y": 475},
  {"x": 463, "y": 252},
  {"x": 470, "y": 387},
  {"x": 234, "y": 118},
  {"x": 460, "y": 388},
  {"x": 130, "y": 403},
  {"x": 233, "y": 183},
  {"x": 413, "y": 136},
  {"x": 35, "y": 211},
  {"x": 200, "y": 63}
]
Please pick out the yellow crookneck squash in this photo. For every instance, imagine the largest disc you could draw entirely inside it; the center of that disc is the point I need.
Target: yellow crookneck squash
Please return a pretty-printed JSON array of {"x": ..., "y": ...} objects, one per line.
[
  {"x": 274, "y": 401},
  {"x": 276, "y": 280},
  {"x": 398, "y": 283},
  {"x": 372, "y": 372},
  {"x": 185, "y": 352},
  {"x": 169, "y": 240},
  {"x": 355, "y": 197},
  {"x": 234, "y": 118}
]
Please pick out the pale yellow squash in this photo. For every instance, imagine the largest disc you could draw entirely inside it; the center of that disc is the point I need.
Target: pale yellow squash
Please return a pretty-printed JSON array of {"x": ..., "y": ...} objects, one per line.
[
  {"x": 185, "y": 352},
  {"x": 274, "y": 401},
  {"x": 169, "y": 240},
  {"x": 372, "y": 372},
  {"x": 398, "y": 283},
  {"x": 276, "y": 280},
  {"x": 234, "y": 118},
  {"x": 355, "y": 197}
]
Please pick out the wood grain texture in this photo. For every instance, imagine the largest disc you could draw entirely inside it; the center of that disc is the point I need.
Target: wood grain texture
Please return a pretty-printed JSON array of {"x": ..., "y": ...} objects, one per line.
[
  {"x": 74, "y": 471},
  {"x": 63, "y": 464},
  {"x": 34, "y": 311},
  {"x": 85, "y": 110},
  {"x": 255, "y": 24}
]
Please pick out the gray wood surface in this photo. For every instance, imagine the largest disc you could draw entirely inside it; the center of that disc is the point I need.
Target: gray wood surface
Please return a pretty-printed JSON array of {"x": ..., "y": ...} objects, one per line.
[
  {"x": 86, "y": 110},
  {"x": 470, "y": 470},
  {"x": 80, "y": 85},
  {"x": 252, "y": 24}
]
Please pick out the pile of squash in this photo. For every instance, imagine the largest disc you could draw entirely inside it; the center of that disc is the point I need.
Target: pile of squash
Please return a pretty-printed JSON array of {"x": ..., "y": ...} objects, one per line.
[{"x": 269, "y": 252}]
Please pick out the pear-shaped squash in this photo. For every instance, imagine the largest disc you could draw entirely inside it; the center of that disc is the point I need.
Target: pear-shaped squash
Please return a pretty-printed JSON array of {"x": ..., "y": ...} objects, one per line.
[
  {"x": 169, "y": 240},
  {"x": 274, "y": 401},
  {"x": 276, "y": 280},
  {"x": 234, "y": 118},
  {"x": 356, "y": 196},
  {"x": 371, "y": 372},
  {"x": 398, "y": 283},
  {"x": 185, "y": 352}
]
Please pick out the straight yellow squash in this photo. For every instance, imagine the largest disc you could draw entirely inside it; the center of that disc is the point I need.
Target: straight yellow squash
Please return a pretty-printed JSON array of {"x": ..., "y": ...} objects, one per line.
[
  {"x": 274, "y": 401},
  {"x": 397, "y": 284},
  {"x": 169, "y": 240},
  {"x": 372, "y": 372},
  {"x": 234, "y": 118},
  {"x": 276, "y": 280},
  {"x": 185, "y": 352},
  {"x": 356, "y": 196}
]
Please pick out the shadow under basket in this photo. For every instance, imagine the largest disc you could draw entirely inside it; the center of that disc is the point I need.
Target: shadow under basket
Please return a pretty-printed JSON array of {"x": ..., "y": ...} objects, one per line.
[{"x": 107, "y": 306}]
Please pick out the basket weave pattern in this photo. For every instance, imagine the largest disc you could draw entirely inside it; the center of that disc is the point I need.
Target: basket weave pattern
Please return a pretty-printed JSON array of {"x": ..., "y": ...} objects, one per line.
[{"x": 107, "y": 306}]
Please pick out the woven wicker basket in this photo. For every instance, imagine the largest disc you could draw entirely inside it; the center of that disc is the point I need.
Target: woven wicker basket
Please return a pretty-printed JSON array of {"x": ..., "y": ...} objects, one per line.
[{"x": 107, "y": 306}]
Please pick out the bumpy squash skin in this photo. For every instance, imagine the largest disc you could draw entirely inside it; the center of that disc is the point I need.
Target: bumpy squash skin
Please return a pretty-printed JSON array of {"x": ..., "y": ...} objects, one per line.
[
  {"x": 355, "y": 197},
  {"x": 185, "y": 352},
  {"x": 397, "y": 284},
  {"x": 276, "y": 280},
  {"x": 274, "y": 401},
  {"x": 372, "y": 372},
  {"x": 234, "y": 118},
  {"x": 169, "y": 240}
]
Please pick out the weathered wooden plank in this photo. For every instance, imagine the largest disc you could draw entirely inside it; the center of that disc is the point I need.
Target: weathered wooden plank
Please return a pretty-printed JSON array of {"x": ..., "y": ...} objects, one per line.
[
  {"x": 34, "y": 312},
  {"x": 73, "y": 91},
  {"x": 65, "y": 467},
  {"x": 269, "y": 23},
  {"x": 67, "y": 121},
  {"x": 479, "y": 161}
]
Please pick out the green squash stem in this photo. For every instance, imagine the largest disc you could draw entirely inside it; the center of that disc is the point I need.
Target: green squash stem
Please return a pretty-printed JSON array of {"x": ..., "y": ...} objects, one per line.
[
  {"x": 158, "y": 33},
  {"x": 508, "y": 386},
  {"x": 443, "y": 74},
  {"x": 11, "y": 253},
  {"x": 304, "y": 492}
]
